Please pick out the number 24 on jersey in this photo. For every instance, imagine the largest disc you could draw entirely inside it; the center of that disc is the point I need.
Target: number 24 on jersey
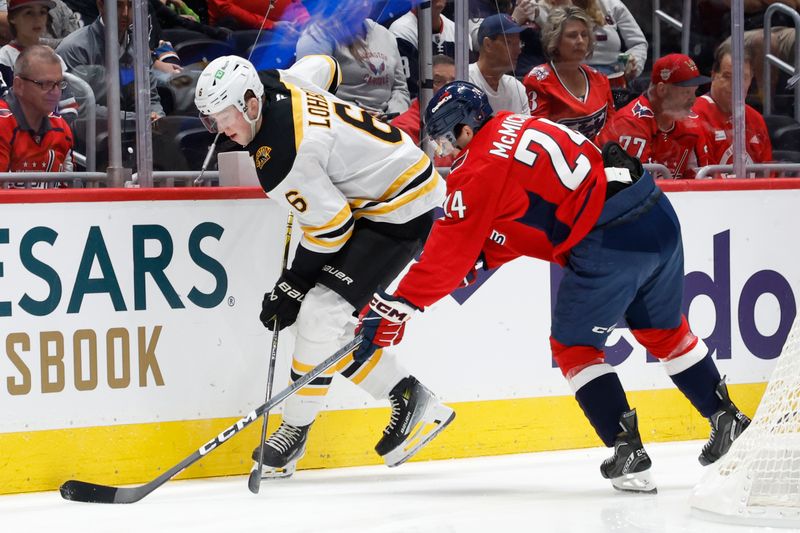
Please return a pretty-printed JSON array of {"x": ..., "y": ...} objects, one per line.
[{"x": 454, "y": 205}]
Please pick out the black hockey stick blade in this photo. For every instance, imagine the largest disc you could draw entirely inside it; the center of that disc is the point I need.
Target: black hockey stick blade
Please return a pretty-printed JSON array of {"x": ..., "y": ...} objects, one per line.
[{"x": 83, "y": 491}]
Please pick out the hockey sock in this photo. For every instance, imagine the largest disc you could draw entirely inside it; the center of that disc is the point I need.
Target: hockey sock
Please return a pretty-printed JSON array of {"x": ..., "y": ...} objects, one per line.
[
  {"x": 698, "y": 383},
  {"x": 603, "y": 401}
]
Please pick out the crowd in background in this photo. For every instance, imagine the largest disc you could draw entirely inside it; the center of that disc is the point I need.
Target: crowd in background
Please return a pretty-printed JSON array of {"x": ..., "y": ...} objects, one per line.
[{"x": 587, "y": 64}]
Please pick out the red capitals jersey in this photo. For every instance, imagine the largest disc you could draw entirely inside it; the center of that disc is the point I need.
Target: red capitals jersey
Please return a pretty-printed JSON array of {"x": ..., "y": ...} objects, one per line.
[
  {"x": 682, "y": 149},
  {"x": 523, "y": 187},
  {"x": 719, "y": 131},
  {"x": 549, "y": 98},
  {"x": 23, "y": 150}
]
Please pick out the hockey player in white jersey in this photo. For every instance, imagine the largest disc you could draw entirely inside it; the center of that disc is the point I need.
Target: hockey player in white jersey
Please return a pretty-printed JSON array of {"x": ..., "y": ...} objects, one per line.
[{"x": 364, "y": 196}]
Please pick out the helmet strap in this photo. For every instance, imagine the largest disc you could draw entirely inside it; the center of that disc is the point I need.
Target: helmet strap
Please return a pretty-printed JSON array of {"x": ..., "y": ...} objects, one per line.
[{"x": 253, "y": 122}]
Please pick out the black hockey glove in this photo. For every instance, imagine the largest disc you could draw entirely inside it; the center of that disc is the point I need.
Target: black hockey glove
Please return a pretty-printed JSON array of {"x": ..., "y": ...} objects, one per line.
[{"x": 283, "y": 302}]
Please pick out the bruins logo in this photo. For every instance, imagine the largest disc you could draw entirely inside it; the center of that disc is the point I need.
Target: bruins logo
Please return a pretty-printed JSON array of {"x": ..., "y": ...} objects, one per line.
[{"x": 262, "y": 156}]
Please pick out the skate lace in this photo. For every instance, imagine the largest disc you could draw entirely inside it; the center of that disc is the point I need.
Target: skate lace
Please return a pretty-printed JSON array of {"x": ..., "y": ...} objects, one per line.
[
  {"x": 284, "y": 438},
  {"x": 397, "y": 406}
]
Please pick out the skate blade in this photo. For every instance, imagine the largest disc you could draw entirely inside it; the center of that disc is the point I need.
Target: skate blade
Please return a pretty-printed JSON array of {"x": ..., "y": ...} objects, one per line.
[
  {"x": 638, "y": 482},
  {"x": 422, "y": 434},
  {"x": 269, "y": 472}
]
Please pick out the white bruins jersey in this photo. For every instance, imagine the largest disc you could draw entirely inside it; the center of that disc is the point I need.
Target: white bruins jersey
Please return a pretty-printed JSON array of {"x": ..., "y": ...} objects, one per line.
[{"x": 331, "y": 162}]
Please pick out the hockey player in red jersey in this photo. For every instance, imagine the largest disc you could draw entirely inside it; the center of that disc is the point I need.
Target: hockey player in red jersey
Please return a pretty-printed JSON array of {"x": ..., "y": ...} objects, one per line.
[
  {"x": 659, "y": 126},
  {"x": 715, "y": 110},
  {"x": 566, "y": 90},
  {"x": 530, "y": 187}
]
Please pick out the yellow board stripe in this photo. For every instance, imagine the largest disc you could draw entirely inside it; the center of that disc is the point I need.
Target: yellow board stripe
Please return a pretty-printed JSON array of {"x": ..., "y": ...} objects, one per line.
[{"x": 136, "y": 453}]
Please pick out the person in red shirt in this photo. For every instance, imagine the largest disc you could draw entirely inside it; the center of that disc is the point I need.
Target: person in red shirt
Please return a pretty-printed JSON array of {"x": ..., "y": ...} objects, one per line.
[
  {"x": 444, "y": 71},
  {"x": 527, "y": 187},
  {"x": 715, "y": 110},
  {"x": 249, "y": 14},
  {"x": 566, "y": 90},
  {"x": 659, "y": 126},
  {"x": 32, "y": 137}
]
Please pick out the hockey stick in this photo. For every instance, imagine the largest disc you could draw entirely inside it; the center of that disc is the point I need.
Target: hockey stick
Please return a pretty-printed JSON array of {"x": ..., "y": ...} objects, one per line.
[
  {"x": 254, "y": 481},
  {"x": 82, "y": 491}
]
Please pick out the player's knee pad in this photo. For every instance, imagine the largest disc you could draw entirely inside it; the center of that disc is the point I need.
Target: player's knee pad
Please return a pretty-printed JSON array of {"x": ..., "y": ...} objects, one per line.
[
  {"x": 573, "y": 359},
  {"x": 324, "y": 316},
  {"x": 677, "y": 348}
]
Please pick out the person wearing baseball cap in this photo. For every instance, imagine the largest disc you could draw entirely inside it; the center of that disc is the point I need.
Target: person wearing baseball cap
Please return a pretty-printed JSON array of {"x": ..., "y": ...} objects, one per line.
[
  {"x": 659, "y": 126},
  {"x": 499, "y": 45}
]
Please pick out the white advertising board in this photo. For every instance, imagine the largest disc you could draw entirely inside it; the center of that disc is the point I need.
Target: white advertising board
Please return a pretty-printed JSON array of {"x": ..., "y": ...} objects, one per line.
[{"x": 127, "y": 312}]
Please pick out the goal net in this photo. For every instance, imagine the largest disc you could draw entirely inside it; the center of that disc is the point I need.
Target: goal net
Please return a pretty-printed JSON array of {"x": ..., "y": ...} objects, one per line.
[{"x": 758, "y": 480}]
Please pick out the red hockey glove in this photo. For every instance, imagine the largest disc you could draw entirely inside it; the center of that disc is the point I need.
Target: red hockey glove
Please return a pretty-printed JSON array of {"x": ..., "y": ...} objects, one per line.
[{"x": 382, "y": 323}]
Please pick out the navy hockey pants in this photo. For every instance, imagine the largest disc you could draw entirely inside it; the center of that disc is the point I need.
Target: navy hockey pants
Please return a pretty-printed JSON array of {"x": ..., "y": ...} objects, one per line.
[{"x": 629, "y": 266}]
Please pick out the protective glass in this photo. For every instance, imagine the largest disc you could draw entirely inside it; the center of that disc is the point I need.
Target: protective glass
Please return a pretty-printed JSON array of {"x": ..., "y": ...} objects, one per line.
[
  {"x": 217, "y": 122},
  {"x": 445, "y": 144}
]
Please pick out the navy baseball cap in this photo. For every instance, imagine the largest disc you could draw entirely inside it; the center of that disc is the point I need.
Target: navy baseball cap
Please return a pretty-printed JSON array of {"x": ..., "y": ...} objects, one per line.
[{"x": 497, "y": 25}]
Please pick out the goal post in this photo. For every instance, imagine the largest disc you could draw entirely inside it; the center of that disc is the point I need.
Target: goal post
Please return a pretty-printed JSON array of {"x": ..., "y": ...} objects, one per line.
[{"x": 758, "y": 481}]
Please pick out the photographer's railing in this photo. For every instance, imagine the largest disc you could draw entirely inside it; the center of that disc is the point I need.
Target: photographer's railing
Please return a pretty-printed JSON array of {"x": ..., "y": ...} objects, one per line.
[
  {"x": 683, "y": 26},
  {"x": 89, "y": 105},
  {"x": 770, "y": 59},
  {"x": 75, "y": 179},
  {"x": 654, "y": 168},
  {"x": 186, "y": 178},
  {"x": 708, "y": 172}
]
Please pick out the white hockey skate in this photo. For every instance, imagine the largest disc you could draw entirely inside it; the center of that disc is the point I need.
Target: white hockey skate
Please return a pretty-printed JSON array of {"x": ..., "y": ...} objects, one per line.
[
  {"x": 417, "y": 417},
  {"x": 281, "y": 451}
]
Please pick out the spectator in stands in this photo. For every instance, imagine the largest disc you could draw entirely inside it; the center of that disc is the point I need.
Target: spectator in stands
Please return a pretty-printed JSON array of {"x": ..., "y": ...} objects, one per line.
[
  {"x": 444, "y": 71},
  {"x": 286, "y": 15},
  {"x": 372, "y": 69},
  {"x": 169, "y": 14},
  {"x": 405, "y": 30},
  {"x": 498, "y": 36},
  {"x": 87, "y": 10},
  {"x": 32, "y": 138},
  {"x": 61, "y": 22},
  {"x": 84, "y": 53},
  {"x": 659, "y": 126},
  {"x": 715, "y": 111},
  {"x": 565, "y": 90},
  {"x": 28, "y": 20},
  {"x": 620, "y": 50}
]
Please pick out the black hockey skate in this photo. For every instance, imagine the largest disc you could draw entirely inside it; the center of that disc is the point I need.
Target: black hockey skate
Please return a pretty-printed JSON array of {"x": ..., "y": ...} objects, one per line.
[
  {"x": 282, "y": 450},
  {"x": 726, "y": 426},
  {"x": 629, "y": 467},
  {"x": 417, "y": 417}
]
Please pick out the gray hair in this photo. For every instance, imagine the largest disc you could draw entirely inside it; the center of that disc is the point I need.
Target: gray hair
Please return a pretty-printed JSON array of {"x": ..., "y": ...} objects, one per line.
[
  {"x": 554, "y": 29},
  {"x": 37, "y": 53}
]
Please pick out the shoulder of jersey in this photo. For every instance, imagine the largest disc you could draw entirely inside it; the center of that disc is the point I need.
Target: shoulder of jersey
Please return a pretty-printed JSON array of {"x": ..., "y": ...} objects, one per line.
[
  {"x": 638, "y": 109},
  {"x": 274, "y": 148},
  {"x": 539, "y": 73}
]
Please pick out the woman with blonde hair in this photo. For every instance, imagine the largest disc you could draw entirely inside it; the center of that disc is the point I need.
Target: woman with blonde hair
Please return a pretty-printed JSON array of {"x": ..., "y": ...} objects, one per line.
[
  {"x": 566, "y": 90},
  {"x": 620, "y": 50}
]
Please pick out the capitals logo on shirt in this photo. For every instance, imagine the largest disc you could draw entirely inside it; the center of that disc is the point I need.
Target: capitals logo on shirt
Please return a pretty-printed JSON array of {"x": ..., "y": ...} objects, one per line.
[
  {"x": 641, "y": 111},
  {"x": 539, "y": 72}
]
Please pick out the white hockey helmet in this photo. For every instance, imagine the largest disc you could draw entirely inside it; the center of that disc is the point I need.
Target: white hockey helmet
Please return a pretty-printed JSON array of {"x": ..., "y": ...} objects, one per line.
[{"x": 224, "y": 82}]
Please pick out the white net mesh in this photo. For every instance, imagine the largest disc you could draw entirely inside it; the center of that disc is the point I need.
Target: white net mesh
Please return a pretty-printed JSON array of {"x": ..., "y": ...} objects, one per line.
[{"x": 758, "y": 480}]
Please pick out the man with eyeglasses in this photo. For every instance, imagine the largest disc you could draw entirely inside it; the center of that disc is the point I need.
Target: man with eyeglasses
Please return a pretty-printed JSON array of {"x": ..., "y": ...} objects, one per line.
[{"x": 32, "y": 137}]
